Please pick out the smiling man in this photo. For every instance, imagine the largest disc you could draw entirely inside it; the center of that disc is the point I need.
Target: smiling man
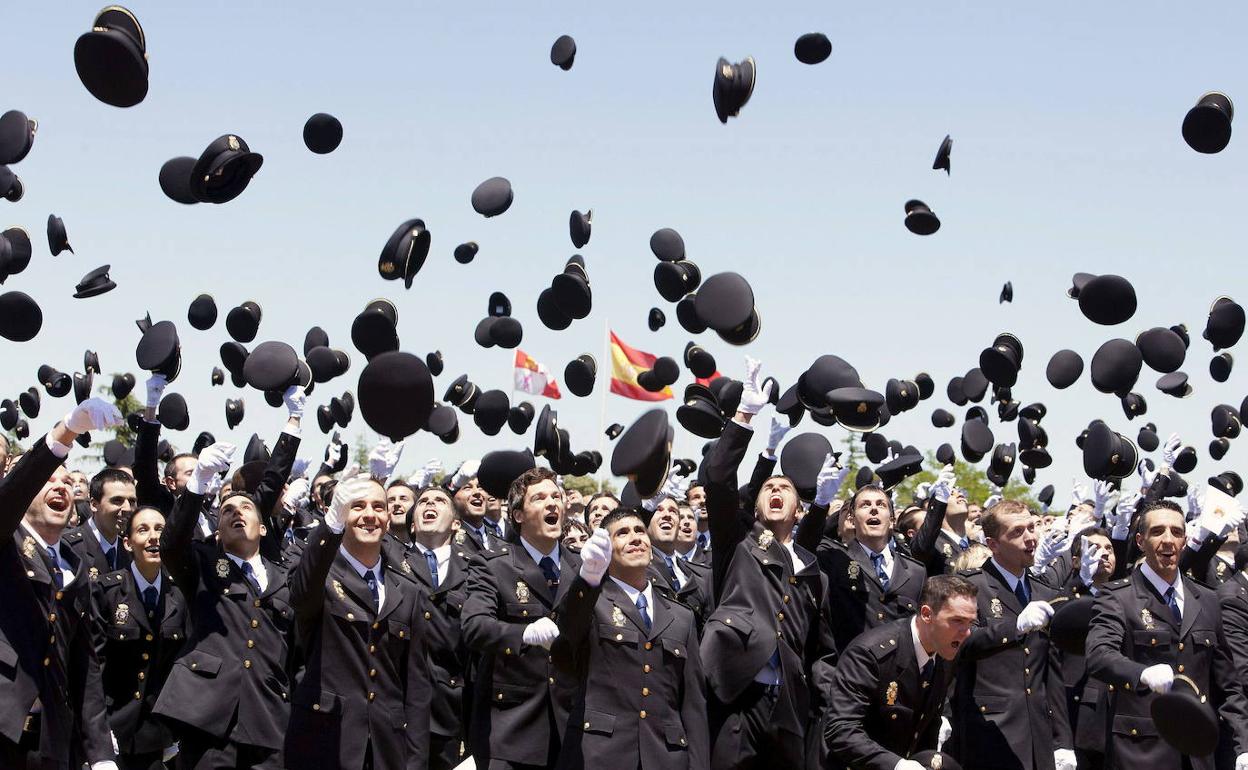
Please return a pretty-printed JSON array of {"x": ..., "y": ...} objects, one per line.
[
  {"x": 98, "y": 541},
  {"x": 477, "y": 533},
  {"x": 361, "y": 630},
  {"x": 890, "y": 683},
  {"x": 634, "y": 654},
  {"x": 1009, "y": 703},
  {"x": 140, "y": 619},
  {"x": 688, "y": 583},
  {"x": 522, "y": 701},
  {"x": 400, "y": 498},
  {"x": 1150, "y": 626}
]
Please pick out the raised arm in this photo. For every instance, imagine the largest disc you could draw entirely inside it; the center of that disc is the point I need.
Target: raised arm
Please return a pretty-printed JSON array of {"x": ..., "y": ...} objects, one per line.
[
  {"x": 148, "y": 487},
  {"x": 175, "y": 541},
  {"x": 276, "y": 472},
  {"x": 941, "y": 496}
]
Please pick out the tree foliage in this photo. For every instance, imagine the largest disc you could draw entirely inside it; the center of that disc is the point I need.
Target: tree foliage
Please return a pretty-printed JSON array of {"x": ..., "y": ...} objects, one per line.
[{"x": 588, "y": 485}]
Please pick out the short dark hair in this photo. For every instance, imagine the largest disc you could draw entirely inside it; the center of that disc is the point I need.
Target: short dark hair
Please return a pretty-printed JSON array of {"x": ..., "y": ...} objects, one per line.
[
  {"x": 129, "y": 520},
  {"x": 908, "y": 518},
  {"x": 571, "y": 524},
  {"x": 941, "y": 588},
  {"x": 852, "y": 503},
  {"x": 990, "y": 522},
  {"x": 619, "y": 514},
  {"x": 107, "y": 476},
  {"x": 515, "y": 493},
  {"x": 400, "y": 483},
  {"x": 434, "y": 488},
  {"x": 1076, "y": 548},
  {"x": 1168, "y": 505},
  {"x": 171, "y": 467}
]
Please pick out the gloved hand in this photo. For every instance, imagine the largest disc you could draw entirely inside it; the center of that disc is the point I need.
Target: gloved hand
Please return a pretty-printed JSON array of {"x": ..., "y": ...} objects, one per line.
[
  {"x": 295, "y": 401},
  {"x": 541, "y": 633},
  {"x": 1241, "y": 762},
  {"x": 910, "y": 764},
  {"x": 1052, "y": 544},
  {"x": 212, "y": 461},
  {"x": 991, "y": 501},
  {"x": 1078, "y": 493},
  {"x": 779, "y": 428},
  {"x": 944, "y": 734},
  {"x": 1064, "y": 759},
  {"x": 113, "y": 737},
  {"x": 1195, "y": 501},
  {"x": 464, "y": 473},
  {"x": 1214, "y": 523},
  {"x": 921, "y": 491},
  {"x": 333, "y": 451},
  {"x": 170, "y": 752},
  {"x": 296, "y": 495},
  {"x": 299, "y": 467},
  {"x": 1119, "y": 522},
  {"x": 155, "y": 390},
  {"x": 946, "y": 480},
  {"x": 752, "y": 396},
  {"x": 107, "y": 764},
  {"x": 670, "y": 488},
  {"x": 1101, "y": 491},
  {"x": 1170, "y": 450},
  {"x": 422, "y": 477},
  {"x": 1147, "y": 477},
  {"x": 1078, "y": 524},
  {"x": 351, "y": 471},
  {"x": 93, "y": 414},
  {"x": 1158, "y": 678},
  {"x": 1089, "y": 560},
  {"x": 383, "y": 459},
  {"x": 1035, "y": 615},
  {"x": 596, "y": 557},
  {"x": 829, "y": 480},
  {"x": 214, "y": 486},
  {"x": 345, "y": 494}
]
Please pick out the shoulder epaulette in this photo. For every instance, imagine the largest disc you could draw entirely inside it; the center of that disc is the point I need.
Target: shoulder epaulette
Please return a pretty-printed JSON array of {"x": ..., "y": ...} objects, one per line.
[
  {"x": 72, "y": 536},
  {"x": 114, "y": 578},
  {"x": 1116, "y": 584},
  {"x": 966, "y": 573},
  {"x": 494, "y": 554}
]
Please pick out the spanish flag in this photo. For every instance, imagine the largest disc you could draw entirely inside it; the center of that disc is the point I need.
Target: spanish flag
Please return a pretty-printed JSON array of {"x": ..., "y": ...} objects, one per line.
[
  {"x": 626, "y": 364},
  {"x": 534, "y": 378}
]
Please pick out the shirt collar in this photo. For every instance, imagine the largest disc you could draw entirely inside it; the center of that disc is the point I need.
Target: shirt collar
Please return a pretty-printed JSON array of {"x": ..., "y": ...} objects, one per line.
[
  {"x": 30, "y": 531},
  {"x": 256, "y": 562},
  {"x": 1159, "y": 583},
  {"x": 442, "y": 552},
  {"x": 141, "y": 581},
  {"x": 1010, "y": 577},
  {"x": 104, "y": 544},
  {"x": 920, "y": 654},
  {"x": 360, "y": 568},
  {"x": 537, "y": 555},
  {"x": 688, "y": 556},
  {"x": 633, "y": 593}
]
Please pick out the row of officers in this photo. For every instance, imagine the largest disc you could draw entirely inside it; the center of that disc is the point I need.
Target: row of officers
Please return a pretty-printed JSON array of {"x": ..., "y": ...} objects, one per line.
[{"x": 245, "y": 629}]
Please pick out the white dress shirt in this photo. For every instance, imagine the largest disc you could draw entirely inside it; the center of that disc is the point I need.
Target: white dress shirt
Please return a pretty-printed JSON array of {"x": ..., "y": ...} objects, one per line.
[
  {"x": 441, "y": 553},
  {"x": 633, "y": 593},
  {"x": 1162, "y": 586},
  {"x": 537, "y": 555},
  {"x": 363, "y": 573},
  {"x": 887, "y": 553},
  {"x": 920, "y": 654},
  {"x": 141, "y": 581},
  {"x": 257, "y": 566},
  {"x": 67, "y": 574}
]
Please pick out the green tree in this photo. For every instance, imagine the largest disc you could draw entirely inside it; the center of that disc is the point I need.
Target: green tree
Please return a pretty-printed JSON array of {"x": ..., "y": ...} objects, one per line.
[
  {"x": 123, "y": 433},
  {"x": 588, "y": 485}
]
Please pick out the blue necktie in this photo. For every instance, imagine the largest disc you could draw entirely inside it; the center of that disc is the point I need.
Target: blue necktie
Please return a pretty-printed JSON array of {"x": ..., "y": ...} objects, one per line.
[
  {"x": 965, "y": 543},
  {"x": 704, "y": 540},
  {"x": 1020, "y": 591},
  {"x": 550, "y": 570},
  {"x": 645, "y": 616},
  {"x": 928, "y": 668},
  {"x": 58, "y": 577},
  {"x": 371, "y": 579},
  {"x": 1173, "y": 604},
  {"x": 110, "y": 556},
  {"x": 493, "y": 529},
  {"x": 249, "y": 573},
  {"x": 432, "y": 560},
  {"x": 671, "y": 571},
  {"x": 878, "y": 560},
  {"x": 150, "y": 597}
]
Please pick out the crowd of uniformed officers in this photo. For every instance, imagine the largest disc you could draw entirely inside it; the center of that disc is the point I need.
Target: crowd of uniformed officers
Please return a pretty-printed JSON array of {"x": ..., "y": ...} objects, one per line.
[{"x": 185, "y": 617}]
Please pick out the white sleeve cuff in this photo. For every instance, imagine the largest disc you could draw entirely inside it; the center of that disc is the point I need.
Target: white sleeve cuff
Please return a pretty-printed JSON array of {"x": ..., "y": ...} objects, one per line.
[{"x": 58, "y": 449}]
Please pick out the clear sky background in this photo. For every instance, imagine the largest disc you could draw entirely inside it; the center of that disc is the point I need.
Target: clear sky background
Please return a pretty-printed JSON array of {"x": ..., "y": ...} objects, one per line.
[{"x": 1067, "y": 157}]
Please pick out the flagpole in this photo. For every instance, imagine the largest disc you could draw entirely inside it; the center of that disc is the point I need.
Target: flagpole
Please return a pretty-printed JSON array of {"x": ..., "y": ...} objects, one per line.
[{"x": 602, "y": 412}]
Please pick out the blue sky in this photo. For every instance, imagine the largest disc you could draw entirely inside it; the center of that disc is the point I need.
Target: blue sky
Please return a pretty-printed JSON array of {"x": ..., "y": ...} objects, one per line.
[{"x": 1067, "y": 157}]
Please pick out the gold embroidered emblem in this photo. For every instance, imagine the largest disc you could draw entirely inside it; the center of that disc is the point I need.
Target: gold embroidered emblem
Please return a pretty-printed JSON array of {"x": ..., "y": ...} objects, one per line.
[
  {"x": 121, "y": 614},
  {"x": 28, "y": 547},
  {"x": 233, "y": 143},
  {"x": 947, "y": 549},
  {"x": 459, "y": 537},
  {"x": 1221, "y": 569},
  {"x": 522, "y": 592},
  {"x": 891, "y": 694},
  {"x": 617, "y": 617},
  {"x": 94, "y": 573},
  {"x": 338, "y": 589},
  {"x": 995, "y": 607},
  {"x": 407, "y": 568},
  {"x": 854, "y": 570},
  {"x": 223, "y": 568},
  {"x": 766, "y": 539},
  {"x": 937, "y": 762},
  {"x": 1147, "y": 618}
]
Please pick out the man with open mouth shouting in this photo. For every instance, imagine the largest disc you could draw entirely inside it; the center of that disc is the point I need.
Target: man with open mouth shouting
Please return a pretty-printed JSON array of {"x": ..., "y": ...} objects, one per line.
[{"x": 767, "y": 646}]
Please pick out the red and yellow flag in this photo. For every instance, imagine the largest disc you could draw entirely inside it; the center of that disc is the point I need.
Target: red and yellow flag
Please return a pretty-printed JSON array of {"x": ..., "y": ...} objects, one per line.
[{"x": 626, "y": 364}]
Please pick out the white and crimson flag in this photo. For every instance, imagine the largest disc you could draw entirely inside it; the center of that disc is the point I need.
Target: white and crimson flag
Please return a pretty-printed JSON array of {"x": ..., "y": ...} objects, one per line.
[{"x": 534, "y": 378}]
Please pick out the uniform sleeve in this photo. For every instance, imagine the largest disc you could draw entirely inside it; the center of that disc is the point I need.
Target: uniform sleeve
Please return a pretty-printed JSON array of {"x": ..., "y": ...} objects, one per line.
[
  {"x": 722, "y": 502},
  {"x": 484, "y": 631},
  {"x": 269, "y": 493},
  {"x": 1229, "y": 692},
  {"x": 1106, "y": 632},
  {"x": 576, "y": 619},
  {"x": 693, "y": 704},
  {"x": 923, "y": 546},
  {"x": 418, "y": 701},
  {"x": 1235, "y": 627},
  {"x": 148, "y": 488},
  {"x": 87, "y": 690},
  {"x": 849, "y": 701},
  {"x": 1055, "y": 694},
  {"x": 175, "y": 542},
  {"x": 307, "y": 580}
]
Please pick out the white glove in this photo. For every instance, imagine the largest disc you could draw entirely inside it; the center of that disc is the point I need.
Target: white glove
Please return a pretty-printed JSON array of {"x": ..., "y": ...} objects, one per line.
[
  {"x": 946, "y": 480},
  {"x": 1078, "y": 493},
  {"x": 1120, "y": 521},
  {"x": 171, "y": 752},
  {"x": 1089, "y": 560},
  {"x": 910, "y": 764},
  {"x": 333, "y": 451},
  {"x": 465, "y": 472},
  {"x": 155, "y": 389},
  {"x": 296, "y": 495},
  {"x": 1158, "y": 678},
  {"x": 922, "y": 491},
  {"x": 1064, "y": 759},
  {"x": 299, "y": 467},
  {"x": 1101, "y": 491},
  {"x": 107, "y": 764},
  {"x": 351, "y": 471},
  {"x": 991, "y": 501},
  {"x": 93, "y": 414},
  {"x": 295, "y": 400},
  {"x": 1147, "y": 477},
  {"x": 1170, "y": 450},
  {"x": 541, "y": 633},
  {"x": 1035, "y": 615},
  {"x": 214, "y": 485},
  {"x": 1195, "y": 501},
  {"x": 779, "y": 428},
  {"x": 345, "y": 493},
  {"x": 113, "y": 737},
  {"x": 595, "y": 557},
  {"x": 1216, "y": 524},
  {"x": 1052, "y": 544},
  {"x": 752, "y": 396},
  {"x": 1077, "y": 525},
  {"x": 212, "y": 461},
  {"x": 1241, "y": 762},
  {"x": 944, "y": 734},
  {"x": 829, "y": 480},
  {"x": 422, "y": 477},
  {"x": 383, "y": 459}
]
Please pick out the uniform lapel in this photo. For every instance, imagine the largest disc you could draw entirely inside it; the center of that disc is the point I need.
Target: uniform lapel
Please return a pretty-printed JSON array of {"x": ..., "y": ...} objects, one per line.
[
  {"x": 169, "y": 607},
  {"x": 859, "y": 554},
  {"x": 1003, "y": 592},
  {"x": 1153, "y": 601},
  {"x": 134, "y": 599},
  {"x": 532, "y": 574},
  {"x": 620, "y": 599},
  {"x": 661, "y": 615},
  {"x": 394, "y": 592},
  {"x": 276, "y": 576},
  {"x": 353, "y": 584},
  {"x": 1191, "y": 606}
]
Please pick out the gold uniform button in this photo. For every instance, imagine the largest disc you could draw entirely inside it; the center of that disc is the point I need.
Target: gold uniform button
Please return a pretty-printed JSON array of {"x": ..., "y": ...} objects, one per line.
[
  {"x": 350, "y": 616},
  {"x": 47, "y": 662},
  {"x": 1076, "y": 697},
  {"x": 893, "y": 715},
  {"x": 371, "y": 696},
  {"x": 649, "y": 646},
  {"x": 619, "y": 637},
  {"x": 792, "y": 581},
  {"x": 586, "y": 726},
  {"x": 256, "y": 623},
  {"x": 499, "y": 696},
  {"x": 1180, "y": 668},
  {"x": 316, "y": 707},
  {"x": 983, "y": 709},
  {"x": 148, "y": 638},
  {"x": 246, "y": 664},
  {"x": 194, "y": 666},
  {"x": 251, "y": 643},
  {"x": 428, "y": 615},
  {"x": 642, "y": 715},
  {"x": 1029, "y": 691},
  {"x": 142, "y": 676},
  {"x": 1026, "y": 671},
  {"x": 645, "y": 691},
  {"x": 1026, "y": 650},
  {"x": 879, "y": 616},
  {"x": 60, "y": 595},
  {"x": 138, "y": 696},
  {"x": 645, "y": 669},
  {"x": 551, "y": 680},
  {"x": 1134, "y": 731},
  {"x": 146, "y": 656},
  {"x": 372, "y": 673},
  {"x": 683, "y": 741},
  {"x": 779, "y": 616},
  {"x": 507, "y": 651},
  {"x": 524, "y": 613},
  {"x": 256, "y": 603},
  {"x": 372, "y": 648},
  {"x": 1180, "y": 647},
  {"x": 376, "y": 626},
  {"x": 51, "y": 617},
  {"x": 728, "y": 621},
  {"x": 786, "y": 599},
  {"x": 1005, "y": 640},
  {"x": 1153, "y": 641}
]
